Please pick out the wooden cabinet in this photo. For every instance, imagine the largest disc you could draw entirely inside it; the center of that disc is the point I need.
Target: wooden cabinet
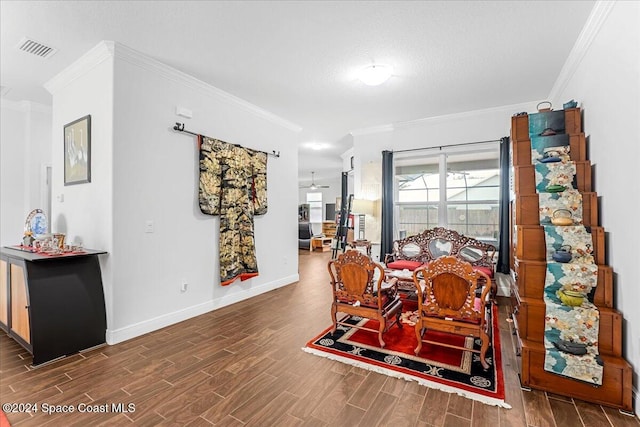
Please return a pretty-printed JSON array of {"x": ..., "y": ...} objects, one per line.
[
  {"x": 20, "y": 324},
  {"x": 529, "y": 269},
  {"x": 531, "y": 244},
  {"x": 530, "y": 277},
  {"x": 52, "y": 305},
  {"x": 4, "y": 296},
  {"x": 525, "y": 181},
  {"x": 527, "y": 209}
]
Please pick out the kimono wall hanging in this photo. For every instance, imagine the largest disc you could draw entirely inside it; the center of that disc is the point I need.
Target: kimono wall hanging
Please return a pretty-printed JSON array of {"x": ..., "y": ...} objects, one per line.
[{"x": 233, "y": 185}]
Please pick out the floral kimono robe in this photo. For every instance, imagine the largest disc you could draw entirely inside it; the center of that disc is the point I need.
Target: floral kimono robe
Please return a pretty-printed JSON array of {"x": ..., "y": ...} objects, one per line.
[{"x": 233, "y": 185}]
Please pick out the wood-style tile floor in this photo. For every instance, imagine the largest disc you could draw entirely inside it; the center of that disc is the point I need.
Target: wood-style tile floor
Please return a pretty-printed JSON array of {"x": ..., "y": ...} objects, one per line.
[{"x": 243, "y": 365}]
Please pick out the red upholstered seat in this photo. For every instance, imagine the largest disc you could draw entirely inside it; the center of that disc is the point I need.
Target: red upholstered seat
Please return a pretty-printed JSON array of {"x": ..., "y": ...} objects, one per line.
[
  {"x": 485, "y": 270},
  {"x": 403, "y": 264}
]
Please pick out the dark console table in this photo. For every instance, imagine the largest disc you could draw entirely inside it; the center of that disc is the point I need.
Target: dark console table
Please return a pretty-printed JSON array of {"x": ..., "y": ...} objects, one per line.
[{"x": 52, "y": 305}]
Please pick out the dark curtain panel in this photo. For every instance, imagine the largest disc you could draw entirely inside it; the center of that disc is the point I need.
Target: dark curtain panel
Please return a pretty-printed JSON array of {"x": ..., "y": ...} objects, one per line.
[
  {"x": 503, "y": 244},
  {"x": 344, "y": 207},
  {"x": 386, "y": 242},
  {"x": 344, "y": 210},
  {"x": 344, "y": 188}
]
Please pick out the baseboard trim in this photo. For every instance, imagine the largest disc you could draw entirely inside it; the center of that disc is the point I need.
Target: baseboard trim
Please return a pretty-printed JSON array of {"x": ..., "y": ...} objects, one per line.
[{"x": 115, "y": 336}]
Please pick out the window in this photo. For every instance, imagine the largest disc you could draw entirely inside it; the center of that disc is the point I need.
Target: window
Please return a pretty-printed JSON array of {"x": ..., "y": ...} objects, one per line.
[
  {"x": 314, "y": 200},
  {"x": 457, "y": 190}
]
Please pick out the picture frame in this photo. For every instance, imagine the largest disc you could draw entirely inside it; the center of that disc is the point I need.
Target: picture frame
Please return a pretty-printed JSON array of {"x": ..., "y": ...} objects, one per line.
[{"x": 77, "y": 151}]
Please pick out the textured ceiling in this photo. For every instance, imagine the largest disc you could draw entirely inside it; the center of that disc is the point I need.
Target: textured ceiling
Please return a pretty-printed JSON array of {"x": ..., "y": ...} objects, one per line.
[{"x": 297, "y": 59}]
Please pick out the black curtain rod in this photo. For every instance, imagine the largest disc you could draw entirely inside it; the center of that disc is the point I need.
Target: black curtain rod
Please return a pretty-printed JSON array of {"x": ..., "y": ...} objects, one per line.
[
  {"x": 446, "y": 146},
  {"x": 179, "y": 127}
]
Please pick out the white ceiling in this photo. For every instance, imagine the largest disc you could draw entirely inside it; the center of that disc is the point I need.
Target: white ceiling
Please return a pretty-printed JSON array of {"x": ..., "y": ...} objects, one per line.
[{"x": 297, "y": 59}]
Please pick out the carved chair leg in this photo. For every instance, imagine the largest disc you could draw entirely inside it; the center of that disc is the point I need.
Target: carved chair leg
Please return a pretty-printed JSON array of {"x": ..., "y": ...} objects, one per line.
[
  {"x": 399, "y": 323},
  {"x": 419, "y": 331},
  {"x": 494, "y": 291},
  {"x": 380, "y": 331},
  {"x": 334, "y": 318},
  {"x": 483, "y": 351}
]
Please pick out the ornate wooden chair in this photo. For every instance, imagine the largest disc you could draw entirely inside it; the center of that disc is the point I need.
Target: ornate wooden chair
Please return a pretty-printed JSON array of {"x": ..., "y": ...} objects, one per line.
[
  {"x": 359, "y": 289},
  {"x": 362, "y": 246},
  {"x": 447, "y": 302}
]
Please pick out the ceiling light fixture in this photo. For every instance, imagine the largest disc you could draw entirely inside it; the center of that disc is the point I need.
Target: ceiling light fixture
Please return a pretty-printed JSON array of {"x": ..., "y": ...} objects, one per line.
[
  {"x": 317, "y": 146},
  {"x": 375, "y": 75}
]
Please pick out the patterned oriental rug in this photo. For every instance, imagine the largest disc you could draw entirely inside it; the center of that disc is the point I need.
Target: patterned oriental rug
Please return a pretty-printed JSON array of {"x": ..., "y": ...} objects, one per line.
[
  {"x": 4, "y": 422},
  {"x": 443, "y": 368}
]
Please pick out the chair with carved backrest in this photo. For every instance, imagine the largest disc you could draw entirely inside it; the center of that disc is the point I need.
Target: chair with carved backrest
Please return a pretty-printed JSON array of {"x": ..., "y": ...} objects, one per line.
[
  {"x": 447, "y": 302},
  {"x": 359, "y": 289}
]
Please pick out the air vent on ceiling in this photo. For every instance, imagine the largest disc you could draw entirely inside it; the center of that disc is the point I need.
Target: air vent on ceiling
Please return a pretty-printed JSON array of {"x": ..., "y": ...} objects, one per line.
[{"x": 36, "y": 48}]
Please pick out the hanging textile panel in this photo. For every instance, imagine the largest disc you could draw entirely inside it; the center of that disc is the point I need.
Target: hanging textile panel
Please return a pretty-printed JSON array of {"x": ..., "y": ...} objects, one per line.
[
  {"x": 548, "y": 174},
  {"x": 551, "y": 204},
  {"x": 568, "y": 327},
  {"x": 571, "y": 331},
  {"x": 233, "y": 185},
  {"x": 550, "y": 146}
]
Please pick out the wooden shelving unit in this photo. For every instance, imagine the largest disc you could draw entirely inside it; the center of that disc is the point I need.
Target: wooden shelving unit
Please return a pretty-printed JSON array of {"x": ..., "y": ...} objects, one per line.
[
  {"x": 528, "y": 263},
  {"x": 329, "y": 229}
]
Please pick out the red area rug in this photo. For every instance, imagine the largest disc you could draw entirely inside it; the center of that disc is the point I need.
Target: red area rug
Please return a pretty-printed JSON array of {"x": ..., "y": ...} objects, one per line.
[
  {"x": 4, "y": 422},
  {"x": 447, "y": 369}
]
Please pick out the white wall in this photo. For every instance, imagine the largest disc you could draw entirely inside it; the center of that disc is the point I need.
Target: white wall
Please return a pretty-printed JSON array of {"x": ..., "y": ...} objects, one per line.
[
  {"x": 606, "y": 82},
  {"x": 152, "y": 175},
  {"x": 25, "y": 148},
  {"x": 84, "y": 212}
]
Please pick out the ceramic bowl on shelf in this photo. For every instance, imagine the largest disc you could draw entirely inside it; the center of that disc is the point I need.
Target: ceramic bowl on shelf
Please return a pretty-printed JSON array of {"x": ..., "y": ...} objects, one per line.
[
  {"x": 562, "y": 217},
  {"x": 547, "y": 106},
  {"x": 571, "y": 347},
  {"x": 563, "y": 254},
  {"x": 550, "y": 159},
  {"x": 571, "y": 298},
  {"x": 555, "y": 188},
  {"x": 548, "y": 132}
]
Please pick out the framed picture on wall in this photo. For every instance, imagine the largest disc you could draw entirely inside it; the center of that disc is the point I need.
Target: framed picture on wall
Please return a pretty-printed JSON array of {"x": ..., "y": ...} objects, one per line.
[{"x": 77, "y": 151}]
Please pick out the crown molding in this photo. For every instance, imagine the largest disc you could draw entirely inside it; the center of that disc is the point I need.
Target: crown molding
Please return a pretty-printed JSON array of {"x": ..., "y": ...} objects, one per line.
[
  {"x": 145, "y": 62},
  {"x": 598, "y": 16},
  {"x": 25, "y": 106},
  {"x": 508, "y": 109},
  {"x": 94, "y": 57},
  {"x": 109, "y": 49},
  {"x": 505, "y": 109},
  {"x": 373, "y": 129}
]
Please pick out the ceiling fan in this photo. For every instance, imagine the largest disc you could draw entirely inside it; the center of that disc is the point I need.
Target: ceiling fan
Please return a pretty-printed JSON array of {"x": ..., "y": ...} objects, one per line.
[{"x": 313, "y": 185}]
